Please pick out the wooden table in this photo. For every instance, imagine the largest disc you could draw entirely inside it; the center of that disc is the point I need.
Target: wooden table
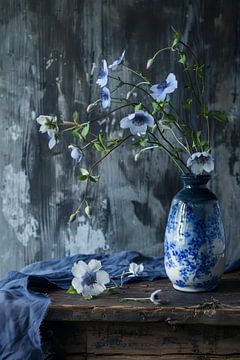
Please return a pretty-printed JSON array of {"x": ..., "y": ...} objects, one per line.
[{"x": 186, "y": 326}]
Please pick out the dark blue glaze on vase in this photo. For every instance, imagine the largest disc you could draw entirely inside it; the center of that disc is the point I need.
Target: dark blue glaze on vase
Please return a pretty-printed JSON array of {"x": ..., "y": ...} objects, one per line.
[{"x": 194, "y": 239}]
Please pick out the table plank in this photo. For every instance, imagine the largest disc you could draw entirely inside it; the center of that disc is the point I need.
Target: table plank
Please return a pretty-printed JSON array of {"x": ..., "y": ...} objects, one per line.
[{"x": 218, "y": 307}]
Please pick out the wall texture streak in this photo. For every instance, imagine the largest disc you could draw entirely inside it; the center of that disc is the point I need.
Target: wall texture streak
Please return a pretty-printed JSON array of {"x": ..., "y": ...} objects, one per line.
[{"x": 41, "y": 41}]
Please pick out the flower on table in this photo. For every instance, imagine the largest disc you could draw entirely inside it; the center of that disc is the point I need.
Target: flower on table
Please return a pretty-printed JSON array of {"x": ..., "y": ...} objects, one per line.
[
  {"x": 76, "y": 153},
  {"x": 200, "y": 162},
  {"x": 88, "y": 279},
  {"x": 49, "y": 126},
  {"x": 160, "y": 91},
  {"x": 155, "y": 297},
  {"x": 105, "y": 97},
  {"x": 117, "y": 62},
  {"x": 103, "y": 75},
  {"x": 137, "y": 122},
  {"x": 135, "y": 269}
]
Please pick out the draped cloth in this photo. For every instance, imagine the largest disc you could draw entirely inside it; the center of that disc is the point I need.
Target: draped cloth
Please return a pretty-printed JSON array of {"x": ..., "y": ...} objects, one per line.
[{"x": 23, "y": 304}]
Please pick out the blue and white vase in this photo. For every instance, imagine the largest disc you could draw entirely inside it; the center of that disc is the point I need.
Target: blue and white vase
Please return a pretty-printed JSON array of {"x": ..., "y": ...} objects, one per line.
[{"x": 194, "y": 238}]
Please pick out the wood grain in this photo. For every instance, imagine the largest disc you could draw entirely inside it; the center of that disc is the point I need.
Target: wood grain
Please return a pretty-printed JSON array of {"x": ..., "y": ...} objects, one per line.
[{"x": 39, "y": 189}]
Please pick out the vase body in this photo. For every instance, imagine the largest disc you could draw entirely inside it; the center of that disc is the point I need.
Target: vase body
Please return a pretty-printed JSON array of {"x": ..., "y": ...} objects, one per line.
[{"x": 194, "y": 239}]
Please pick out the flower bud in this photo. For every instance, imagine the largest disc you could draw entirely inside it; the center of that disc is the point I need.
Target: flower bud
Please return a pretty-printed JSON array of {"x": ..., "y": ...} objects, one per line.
[{"x": 149, "y": 63}]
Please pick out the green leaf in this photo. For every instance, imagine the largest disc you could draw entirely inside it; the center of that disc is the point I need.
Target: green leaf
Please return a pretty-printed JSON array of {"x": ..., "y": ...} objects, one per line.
[
  {"x": 75, "y": 117},
  {"x": 155, "y": 107},
  {"x": 140, "y": 143},
  {"x": 182, "y": 58},
  {"x": 94, "y": 179},
  {"x": 170, "y": 118},
  {"x": 138, "y": 107},
  {"x": 176, "y": 39},
  {"x": 87, "y": 211},
  {"x": 84, "y": 174},
  {"x": 99, "y": 147},
  {"x": 101, "y": 140},
  {"x": 219, "y": 116},
  {"x": 88, "y": 297},
  {"x": 76, "y": 134},
  {"x": 85, "y": 130},
  {"x": 186, "y": 104},
  {"x": 71, "y": 290}
]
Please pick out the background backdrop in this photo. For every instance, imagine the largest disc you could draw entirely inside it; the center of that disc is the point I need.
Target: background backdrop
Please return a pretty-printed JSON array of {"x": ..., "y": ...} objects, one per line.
[{"x": 44, "y": 40}]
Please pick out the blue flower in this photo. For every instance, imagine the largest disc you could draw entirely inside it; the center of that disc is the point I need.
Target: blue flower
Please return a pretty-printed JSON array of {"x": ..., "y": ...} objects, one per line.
[
  {"x": 105, "y": 97},
  {"x": 137, "y": 122},
  {"x": 199, "y": 162},
  {"x": 160, "y": 91},
  {"x": 89, "y": 279},
  {"x": 117, "y": 62},
  {"x": 103, "y": 75},
  {"x": 76, "y": 153}
]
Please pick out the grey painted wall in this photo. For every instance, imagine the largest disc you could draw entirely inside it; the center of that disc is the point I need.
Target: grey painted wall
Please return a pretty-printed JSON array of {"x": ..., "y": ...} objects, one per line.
[{"x": 48, "y": 39}]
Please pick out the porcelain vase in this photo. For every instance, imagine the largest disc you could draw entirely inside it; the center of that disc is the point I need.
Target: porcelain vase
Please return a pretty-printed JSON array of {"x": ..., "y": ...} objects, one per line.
[{"x": 194, "y": 238}]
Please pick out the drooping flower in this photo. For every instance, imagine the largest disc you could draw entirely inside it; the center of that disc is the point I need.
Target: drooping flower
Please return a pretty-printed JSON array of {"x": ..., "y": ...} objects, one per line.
[
  {"x": 88, "y": 279},
  {"x": 160, "y": 91},
  {"x": 103, "y": 75},
  {"x": 53, "y": 139},
  {"x": 137, "y": 122},
  {"x": 49, "y": 126},
  {"x": 76, "y": 153},
  {"x": 135, "y": 269},
  {"x": 117, "y": 62},
  {"x": 105, "y": 97},
  {"x": 200, "y": 162},
  {"x": 155, "y": 297}
]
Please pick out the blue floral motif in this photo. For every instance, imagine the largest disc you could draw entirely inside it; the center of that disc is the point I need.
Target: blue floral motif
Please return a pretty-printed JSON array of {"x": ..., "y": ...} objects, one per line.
[{"x": 194, "y": 244}]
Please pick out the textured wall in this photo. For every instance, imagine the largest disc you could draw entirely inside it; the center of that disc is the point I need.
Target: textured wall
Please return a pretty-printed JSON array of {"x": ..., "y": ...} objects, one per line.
[{"x": 44, "y": 40}]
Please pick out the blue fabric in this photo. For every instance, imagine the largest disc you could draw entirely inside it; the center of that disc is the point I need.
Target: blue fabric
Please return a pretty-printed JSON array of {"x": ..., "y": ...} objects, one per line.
[{"x": 22, "y": 308}]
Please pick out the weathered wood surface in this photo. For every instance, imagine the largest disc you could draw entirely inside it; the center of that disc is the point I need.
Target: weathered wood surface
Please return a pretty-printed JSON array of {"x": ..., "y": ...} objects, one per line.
[
  {"x": 44, "y": 40},
  {"x": 185, "y": 326},
  {"x": 219, "y": 307}
]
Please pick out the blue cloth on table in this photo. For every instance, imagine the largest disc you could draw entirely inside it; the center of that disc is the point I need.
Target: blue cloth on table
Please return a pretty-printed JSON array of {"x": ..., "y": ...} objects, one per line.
[{"x": 22, "y": 309}]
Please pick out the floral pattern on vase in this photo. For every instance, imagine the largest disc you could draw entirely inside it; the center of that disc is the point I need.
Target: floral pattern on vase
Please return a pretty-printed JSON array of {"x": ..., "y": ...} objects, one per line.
[{"x": 194, "y": 238}]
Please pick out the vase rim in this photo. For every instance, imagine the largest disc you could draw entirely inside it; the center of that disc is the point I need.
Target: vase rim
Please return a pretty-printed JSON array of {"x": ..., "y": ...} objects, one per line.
[{"x": 195, "y": 179}]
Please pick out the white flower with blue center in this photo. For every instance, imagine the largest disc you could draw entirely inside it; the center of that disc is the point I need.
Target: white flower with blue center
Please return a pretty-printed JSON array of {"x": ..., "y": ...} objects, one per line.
[
  {"x": 117, "y": 62},
  {"x": 105, "y": 98},
  {"x": 160, "y": 91},
  {"x": 49, "y": 126},
  {"x": 135, "y": 269},
  {"x": 200, "y": 162},
  {"x": 137, "y": 122},
  {"x": 103, "y": 75},
  {"x": 88, "y": 279},
  {"x": 76, "y": 153}
]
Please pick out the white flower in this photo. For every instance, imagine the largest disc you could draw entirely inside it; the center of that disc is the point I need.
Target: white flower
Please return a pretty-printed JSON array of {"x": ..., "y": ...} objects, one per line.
[
  {"x": 103, "y": 75},
  {"x": 49, "y": 126},
  {"x": 199, "y": 162},
  {"x": 117, "y": 62},
  {"x": 135, "y": 269},
  {"x": 88, "y": 279}
]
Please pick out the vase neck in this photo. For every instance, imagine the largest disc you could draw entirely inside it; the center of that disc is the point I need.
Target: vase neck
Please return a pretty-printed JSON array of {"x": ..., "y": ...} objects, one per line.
[{"x": 199, "y": 181}]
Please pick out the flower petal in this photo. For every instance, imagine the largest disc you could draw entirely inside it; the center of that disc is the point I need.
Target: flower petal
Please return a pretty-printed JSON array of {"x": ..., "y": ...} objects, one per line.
[
  {"x": 77, "y": 284},
  {"x": 102, "y": 277},
  {"x": 94, "y": 265},
  {"x": 125, "y": 122},
  {"x": 93, "y": 289},
  {"x": 41, "y": 119},
  {"x": 79, "y": 269},
  {"x": 52, "y": 142}
]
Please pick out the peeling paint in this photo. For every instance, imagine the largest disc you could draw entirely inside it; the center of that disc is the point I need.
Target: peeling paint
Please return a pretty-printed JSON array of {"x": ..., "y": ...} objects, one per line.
[
  {"x": 84, "y": 239},
  {"x": 16, "y": 205}
]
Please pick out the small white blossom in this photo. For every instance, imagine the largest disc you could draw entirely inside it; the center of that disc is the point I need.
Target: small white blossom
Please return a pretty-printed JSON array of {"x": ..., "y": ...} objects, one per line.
[
  {"x": 135, "y": 269},
  {"x": 49, "y": 126},
  {"x": 88, "y": 279}
]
